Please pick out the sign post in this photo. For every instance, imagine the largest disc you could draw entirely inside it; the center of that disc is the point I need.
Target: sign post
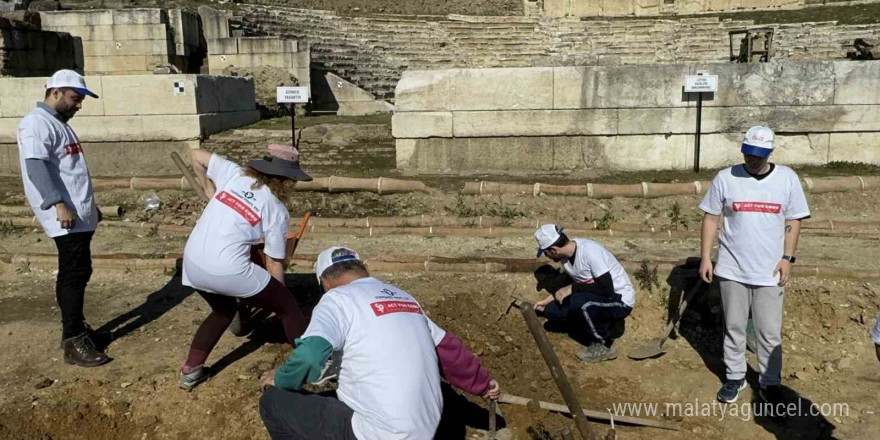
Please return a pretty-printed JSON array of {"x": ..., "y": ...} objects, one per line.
[
  {"x": 292, "y": 96},
  {"x": 699, "y": 84}
]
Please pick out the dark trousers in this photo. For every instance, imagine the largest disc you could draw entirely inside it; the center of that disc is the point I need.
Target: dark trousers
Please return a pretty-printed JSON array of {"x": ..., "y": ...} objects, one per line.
[
  {"x": 274, "y": 298},
  {"x": 588, "y": 317},
  {"x": 292, "y": 415},
  {"x": 74, "y": 272}
]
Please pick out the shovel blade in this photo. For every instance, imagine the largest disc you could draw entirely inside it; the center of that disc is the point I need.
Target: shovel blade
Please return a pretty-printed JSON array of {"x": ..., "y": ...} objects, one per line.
[{"x": 649, "y": 350}]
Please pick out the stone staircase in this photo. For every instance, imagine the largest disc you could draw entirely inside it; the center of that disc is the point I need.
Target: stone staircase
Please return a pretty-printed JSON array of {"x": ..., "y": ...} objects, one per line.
[{"x": 372, "y": 52}]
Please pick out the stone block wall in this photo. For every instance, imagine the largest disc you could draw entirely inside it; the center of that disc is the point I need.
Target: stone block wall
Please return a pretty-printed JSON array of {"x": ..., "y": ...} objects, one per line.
[
  {"x": 373, "y": 52},
  {"x": 552, "y": 119},
  {"x": 138, "y": 119},
  {"x": 129, "y": 41},
  {"x": 25, "y": 50}
]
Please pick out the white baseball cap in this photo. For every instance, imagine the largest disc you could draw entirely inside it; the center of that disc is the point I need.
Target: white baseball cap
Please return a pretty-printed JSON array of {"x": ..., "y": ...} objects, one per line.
[
  {"x": 546, "y": 236},
  {"x": 70, "y": 79},
  {"x": 758, "y": 141},
  {"x": 331, "y": 256}
]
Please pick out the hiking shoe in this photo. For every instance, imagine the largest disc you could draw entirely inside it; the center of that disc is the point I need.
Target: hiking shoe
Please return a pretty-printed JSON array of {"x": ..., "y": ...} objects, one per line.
[
  {"x": 331, "y": 369},
  {"x": 596, "y": 353},
  {"x": 196, "y": 375},
  {"x": 730, "y": 391},
  {"x": 81, "y": 351}
]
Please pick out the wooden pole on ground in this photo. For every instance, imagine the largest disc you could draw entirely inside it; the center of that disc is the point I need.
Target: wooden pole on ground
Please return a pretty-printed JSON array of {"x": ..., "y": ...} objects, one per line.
[{"x": 528, "y": 311}]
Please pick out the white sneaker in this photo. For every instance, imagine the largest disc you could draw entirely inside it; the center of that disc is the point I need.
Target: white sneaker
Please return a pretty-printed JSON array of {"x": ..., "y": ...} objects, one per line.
[{"x": 331, "y": 369}]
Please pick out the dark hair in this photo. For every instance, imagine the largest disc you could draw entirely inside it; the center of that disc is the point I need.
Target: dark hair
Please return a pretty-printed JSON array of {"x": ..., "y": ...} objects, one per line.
[
  {"x": 49, "y": 91},
  {"x": 281, "y": 187},
  {"x": 561, "y": 241},
  {"x": 338, "y": 269}
]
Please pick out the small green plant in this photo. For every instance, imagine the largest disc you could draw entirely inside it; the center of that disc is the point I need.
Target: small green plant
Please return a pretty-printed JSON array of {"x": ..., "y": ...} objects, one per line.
[
  {"x": 647, "y": 277},
  {"x": 676, "y": 220},
  {"x": 604, "y": 223},
  {"x": 8, "y": 228},
  {"x": 462, "y": 208},
  {"x": 508, "y": 214}
]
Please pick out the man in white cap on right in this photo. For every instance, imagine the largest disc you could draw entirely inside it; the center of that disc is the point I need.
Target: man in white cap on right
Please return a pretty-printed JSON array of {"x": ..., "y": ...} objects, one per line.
[
  {"x": 762, "y": 205},
  {"x": 59, "y": 188}
]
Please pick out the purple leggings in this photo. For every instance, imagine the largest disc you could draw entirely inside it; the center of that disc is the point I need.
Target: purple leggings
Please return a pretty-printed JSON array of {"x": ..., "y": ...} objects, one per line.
[{"x": 274, "y": 298}]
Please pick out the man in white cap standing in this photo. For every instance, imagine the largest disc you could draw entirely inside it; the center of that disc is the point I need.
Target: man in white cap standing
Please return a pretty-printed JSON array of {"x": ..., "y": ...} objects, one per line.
[
  {"x": 762, "y": 205},
  {"x": 58, "y": 186},
  {"x": 392, "y": 359},
  {"x": 600, "y": 298}
]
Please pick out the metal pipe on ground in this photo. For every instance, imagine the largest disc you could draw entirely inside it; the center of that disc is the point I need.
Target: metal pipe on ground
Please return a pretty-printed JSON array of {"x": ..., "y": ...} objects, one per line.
[
  {"x": 485, "y": 232},
  {"x": 652, "y": 190},
  {"x": 380, "y": 185},
  {"x": 106, "y": 210},
  {"x": 430, "y": 263}
]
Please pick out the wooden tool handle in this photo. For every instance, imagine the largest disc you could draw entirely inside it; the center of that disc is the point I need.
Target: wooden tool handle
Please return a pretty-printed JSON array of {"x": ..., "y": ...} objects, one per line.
[{"x": 190, "y": 177}]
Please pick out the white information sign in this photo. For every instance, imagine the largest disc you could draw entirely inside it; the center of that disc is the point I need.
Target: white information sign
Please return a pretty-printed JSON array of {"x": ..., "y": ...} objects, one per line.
[
  {"x": 292, "y": 95},
  {"x": 700, "y": 83}
]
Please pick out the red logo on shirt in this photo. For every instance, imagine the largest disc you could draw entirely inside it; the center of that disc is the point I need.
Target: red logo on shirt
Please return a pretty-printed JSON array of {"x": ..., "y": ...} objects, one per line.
[
  {"x": 770, "y": 208},
  {"x": 238, "y": 206},
  {"x": 74, "y": 148},
  {"x": 385, "y": 307}
]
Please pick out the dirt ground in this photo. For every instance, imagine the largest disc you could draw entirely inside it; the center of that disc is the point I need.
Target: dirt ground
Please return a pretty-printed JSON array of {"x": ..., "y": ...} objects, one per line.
[{"x": 828, "y": 358}]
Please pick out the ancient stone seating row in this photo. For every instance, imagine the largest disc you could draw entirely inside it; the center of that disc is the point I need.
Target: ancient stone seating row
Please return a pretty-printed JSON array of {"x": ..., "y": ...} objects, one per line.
[{"x": 391, "y": 44}]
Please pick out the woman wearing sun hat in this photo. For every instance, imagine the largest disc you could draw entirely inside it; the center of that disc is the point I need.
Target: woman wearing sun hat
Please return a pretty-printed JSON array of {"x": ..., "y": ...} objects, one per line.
[{"x": 245, "y": 208}]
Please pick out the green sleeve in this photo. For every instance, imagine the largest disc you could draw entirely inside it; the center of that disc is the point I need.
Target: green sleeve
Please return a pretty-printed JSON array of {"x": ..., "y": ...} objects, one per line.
[{"x": 304, "y": 364}]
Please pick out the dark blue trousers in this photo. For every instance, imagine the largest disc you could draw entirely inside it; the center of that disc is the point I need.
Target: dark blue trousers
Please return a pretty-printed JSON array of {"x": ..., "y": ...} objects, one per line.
[{"x": 588, "y": 316}]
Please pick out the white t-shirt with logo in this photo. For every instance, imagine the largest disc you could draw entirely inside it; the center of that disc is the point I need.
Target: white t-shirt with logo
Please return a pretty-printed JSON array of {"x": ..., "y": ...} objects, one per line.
[
  {"x": 390, "y": 375},
  {"x": 42, "y": 136},
  {"x": 752, "y": 239},
  {"x": 592, "y": 260},
  {"x": 217, "y": 257}
]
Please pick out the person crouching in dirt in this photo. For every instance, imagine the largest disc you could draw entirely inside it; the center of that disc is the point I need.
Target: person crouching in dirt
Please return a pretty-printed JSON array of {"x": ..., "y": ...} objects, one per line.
[
  {"x": 600, "y": 298},
  {"x": 392, "y": 356},
  {"x": 245, "y": 207}
]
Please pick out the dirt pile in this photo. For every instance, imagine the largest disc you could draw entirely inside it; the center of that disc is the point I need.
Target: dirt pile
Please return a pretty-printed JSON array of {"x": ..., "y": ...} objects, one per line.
[{"x": 266, "y": 79}]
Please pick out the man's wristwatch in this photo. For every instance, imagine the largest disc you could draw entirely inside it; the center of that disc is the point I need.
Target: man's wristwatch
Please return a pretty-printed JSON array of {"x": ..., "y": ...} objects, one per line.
[{"x": 790, "y": 258}]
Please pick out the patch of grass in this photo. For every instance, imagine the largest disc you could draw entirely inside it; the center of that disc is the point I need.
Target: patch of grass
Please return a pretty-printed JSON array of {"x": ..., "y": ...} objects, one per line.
[
  {"x": 604, "y": 223},
  {"x": 283, "y": 123},
  {"x": 466, "y": 208},
  {"x": 647, "y": 277}
]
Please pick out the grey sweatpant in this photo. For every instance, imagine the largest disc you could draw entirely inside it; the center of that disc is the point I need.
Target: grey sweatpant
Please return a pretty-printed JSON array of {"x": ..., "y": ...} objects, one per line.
[{"x": 765, "y": 302}]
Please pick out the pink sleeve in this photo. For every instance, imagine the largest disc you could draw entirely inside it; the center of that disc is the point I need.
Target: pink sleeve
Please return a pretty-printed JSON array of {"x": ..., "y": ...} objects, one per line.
[{"x": 460, "y": 367}]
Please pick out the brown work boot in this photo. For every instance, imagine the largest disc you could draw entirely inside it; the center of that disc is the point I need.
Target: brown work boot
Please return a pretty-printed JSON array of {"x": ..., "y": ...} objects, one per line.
[{"x": 80, "y": 350}]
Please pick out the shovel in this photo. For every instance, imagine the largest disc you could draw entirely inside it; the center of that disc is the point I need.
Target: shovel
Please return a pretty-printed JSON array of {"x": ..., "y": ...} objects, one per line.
[{"x": 655, "y": 347}]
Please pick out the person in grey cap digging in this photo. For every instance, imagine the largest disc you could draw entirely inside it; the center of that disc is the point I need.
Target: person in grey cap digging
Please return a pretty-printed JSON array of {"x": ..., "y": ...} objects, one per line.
[
  {"x": 392, "y": 358},
  {"x": 762, "y": 205},
  {"x": 58, "y": 187},
  {"x": 245, "y": 208},
  {"x": 600, "y": 297}
]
